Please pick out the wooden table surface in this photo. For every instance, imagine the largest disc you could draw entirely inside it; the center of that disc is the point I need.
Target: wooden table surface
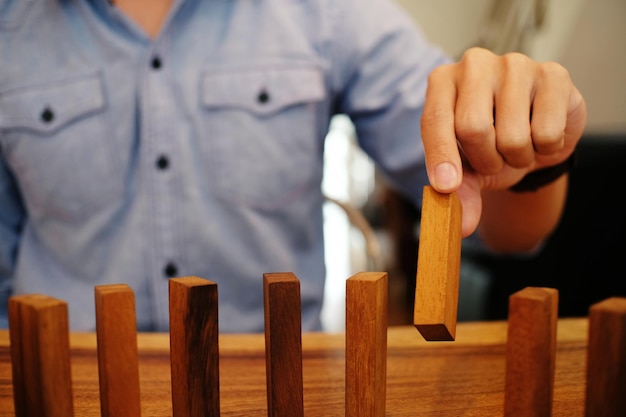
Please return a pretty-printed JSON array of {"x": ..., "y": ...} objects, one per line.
[{"x": 455, "y": 379}]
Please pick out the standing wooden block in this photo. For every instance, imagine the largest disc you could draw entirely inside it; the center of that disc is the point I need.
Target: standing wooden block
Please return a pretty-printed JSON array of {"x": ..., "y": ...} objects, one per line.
[
  {"x": 366, "y": 344},
  {"x": 283, "y": 345},
  {"x": 194, "y": 347},
  {"x": 606, "y": 359},
  {"x": 40, "y": 356},
  {"x": 438, "y": 266},
  {"x": 531, "y": 352},
  {"x": 118, "y": 364}
]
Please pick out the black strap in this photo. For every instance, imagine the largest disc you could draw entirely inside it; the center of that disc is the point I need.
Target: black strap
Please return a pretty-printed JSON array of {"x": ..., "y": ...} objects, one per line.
[{"x": 542, "y": 177}]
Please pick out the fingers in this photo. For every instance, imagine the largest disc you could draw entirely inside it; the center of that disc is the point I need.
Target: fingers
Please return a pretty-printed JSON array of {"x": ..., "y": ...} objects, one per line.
[
  {"x": 495, "y": 98},
  {"x": 550, "y": 109},
  {"x": 498, "y": 117},
  {"x": 474, "y": 118},
  {"x": 576, "y": 119},
  {"x": 443, "y": 161},
  {"x": 559, "y": 115},
  {"x": 514, "y": 95}
]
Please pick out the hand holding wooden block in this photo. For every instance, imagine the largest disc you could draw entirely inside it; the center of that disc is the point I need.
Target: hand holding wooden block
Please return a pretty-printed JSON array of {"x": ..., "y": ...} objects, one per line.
[{"x": 438, "y": 266}]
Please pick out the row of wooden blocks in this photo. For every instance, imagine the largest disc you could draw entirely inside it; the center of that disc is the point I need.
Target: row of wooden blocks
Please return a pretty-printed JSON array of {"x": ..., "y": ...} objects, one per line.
[{"x": 40, "y": 353}]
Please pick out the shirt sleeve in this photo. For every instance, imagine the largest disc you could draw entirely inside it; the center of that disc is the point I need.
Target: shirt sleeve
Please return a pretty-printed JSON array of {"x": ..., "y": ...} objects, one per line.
[
  {"x": 11, "y": 219},
  {"x": 384, "y": 62}
]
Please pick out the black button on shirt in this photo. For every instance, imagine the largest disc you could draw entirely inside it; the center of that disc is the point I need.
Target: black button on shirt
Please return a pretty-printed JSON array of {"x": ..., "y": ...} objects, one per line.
[
  {"x": 47, "y": 115},
  {"x": 156, "y": 62},
  {"x": 263, "y": 97},
  {"x": 170, "y": 270},
  {"x": 163, "y": 162}
]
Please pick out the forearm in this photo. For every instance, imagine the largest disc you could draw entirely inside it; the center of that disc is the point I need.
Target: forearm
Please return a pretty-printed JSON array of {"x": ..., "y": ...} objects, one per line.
[{"x": 514, "y": 222}]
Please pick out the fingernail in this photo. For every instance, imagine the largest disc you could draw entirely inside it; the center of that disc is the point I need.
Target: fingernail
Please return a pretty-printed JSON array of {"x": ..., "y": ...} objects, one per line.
[{"x": 445, "y": 176}]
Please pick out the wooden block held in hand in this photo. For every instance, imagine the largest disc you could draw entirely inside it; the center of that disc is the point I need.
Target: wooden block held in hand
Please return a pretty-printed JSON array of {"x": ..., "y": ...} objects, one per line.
[
  {"x": 366, "y": 344},
  {"x": 194, "y": 347},
  {"x": 438, "y": 266},
  {"x": 118, "y": 363},
  {"x": 40, "y": 356},
  {"x": 531, "y": 352},
  {"x": 606, "y": 359},
  {"x": 283, "y": 345}
]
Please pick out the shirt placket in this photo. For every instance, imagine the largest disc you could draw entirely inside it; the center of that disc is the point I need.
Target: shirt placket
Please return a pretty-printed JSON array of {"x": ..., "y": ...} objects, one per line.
[{"x": 159, "y": 161}]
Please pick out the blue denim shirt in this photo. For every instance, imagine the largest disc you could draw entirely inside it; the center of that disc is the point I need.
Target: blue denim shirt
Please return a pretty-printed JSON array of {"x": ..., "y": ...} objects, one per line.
[{"x": 126, "y": 159}]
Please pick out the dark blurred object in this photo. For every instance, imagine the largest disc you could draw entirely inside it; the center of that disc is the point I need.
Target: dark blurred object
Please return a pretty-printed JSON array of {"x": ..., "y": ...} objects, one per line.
[
  {"x": 585, "y": 257},
  {"x": 401, "y": 218}
]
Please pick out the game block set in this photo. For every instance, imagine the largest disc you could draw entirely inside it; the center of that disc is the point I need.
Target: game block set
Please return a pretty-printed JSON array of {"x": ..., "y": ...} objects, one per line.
[{"x": 40, "y": 354}]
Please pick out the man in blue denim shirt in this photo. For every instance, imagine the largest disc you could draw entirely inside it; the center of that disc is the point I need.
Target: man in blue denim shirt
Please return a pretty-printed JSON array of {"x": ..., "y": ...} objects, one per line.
[{"x": 142, "y": 140}]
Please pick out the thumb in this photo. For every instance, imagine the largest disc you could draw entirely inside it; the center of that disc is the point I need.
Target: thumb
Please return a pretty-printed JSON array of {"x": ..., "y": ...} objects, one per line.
[{"x": 471, "y": 202}]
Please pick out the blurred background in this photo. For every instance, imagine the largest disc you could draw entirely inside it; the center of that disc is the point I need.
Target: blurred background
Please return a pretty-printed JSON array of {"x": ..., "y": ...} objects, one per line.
[{"x": 369, "y": 227}]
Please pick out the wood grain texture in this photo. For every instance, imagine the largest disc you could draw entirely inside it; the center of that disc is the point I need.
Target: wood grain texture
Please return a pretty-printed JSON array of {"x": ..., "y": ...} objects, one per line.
[
  {"x": 366, "y": 344},
  {"x": 118, "y": 363},
  {"x": 40, "y": 354},
  {"x": 438, "y": 266},
  {"x": 283, "y": 345},
  {"x": 464, "y": 378},
  {"x": 194, "y": 347},
  {"x": 606, "y": 359},
  {"x": 531, "y": 352}
]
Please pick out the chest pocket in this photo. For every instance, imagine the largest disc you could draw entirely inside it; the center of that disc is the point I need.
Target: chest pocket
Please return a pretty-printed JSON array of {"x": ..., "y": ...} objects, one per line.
[
  {"x": 260, "y": 142},
  {"x": 54, "y": 137}
]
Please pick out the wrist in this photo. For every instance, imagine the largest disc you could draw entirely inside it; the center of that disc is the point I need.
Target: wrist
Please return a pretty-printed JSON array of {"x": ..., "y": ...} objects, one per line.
[{"x": 544, "y": 176}]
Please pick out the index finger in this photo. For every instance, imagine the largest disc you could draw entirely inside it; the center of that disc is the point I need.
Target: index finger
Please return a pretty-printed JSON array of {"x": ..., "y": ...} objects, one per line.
[{"x": 443, "y": 160}]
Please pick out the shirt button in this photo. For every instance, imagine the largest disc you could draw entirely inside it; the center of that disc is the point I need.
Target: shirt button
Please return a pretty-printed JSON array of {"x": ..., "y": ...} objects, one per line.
[
  {"x": 163, "y": 162},
  {"x": 170, "y": 270},
  {"x": 156, "y": 62},
  {"x": 47, "y": 115},
  {"x": 263, "y": 97}
]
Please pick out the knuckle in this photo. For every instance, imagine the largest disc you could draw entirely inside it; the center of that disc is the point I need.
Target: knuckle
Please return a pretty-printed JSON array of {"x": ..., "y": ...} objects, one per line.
[
  {"x": 513, "y": 145},
  {"x": 476, "y": 53},
  {"x": 547, "y": 134},
  {"x": 515, "y": 60},
  {"x": 548, "y": 140},
  {"x": 485, "y": 165},
  {"x": 519, "y": 160},
  {"x": 553, "y": 70},
  {"x": 439, "y": 73},
  {"x": 473, "y": 129},
  {"x": 516, "y": 149}
]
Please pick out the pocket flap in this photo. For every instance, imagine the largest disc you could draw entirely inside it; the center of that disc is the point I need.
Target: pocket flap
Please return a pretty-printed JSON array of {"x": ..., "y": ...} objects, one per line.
[
  {"x": 47, "y": 108},
  {"x": 261, "y": 91}
]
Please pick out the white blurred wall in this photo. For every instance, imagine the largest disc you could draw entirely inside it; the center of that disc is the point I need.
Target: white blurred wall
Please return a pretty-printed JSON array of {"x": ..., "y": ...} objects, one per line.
[
  {"x": 586, "y": 36},
  {"x": 596, "y": 58}
]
